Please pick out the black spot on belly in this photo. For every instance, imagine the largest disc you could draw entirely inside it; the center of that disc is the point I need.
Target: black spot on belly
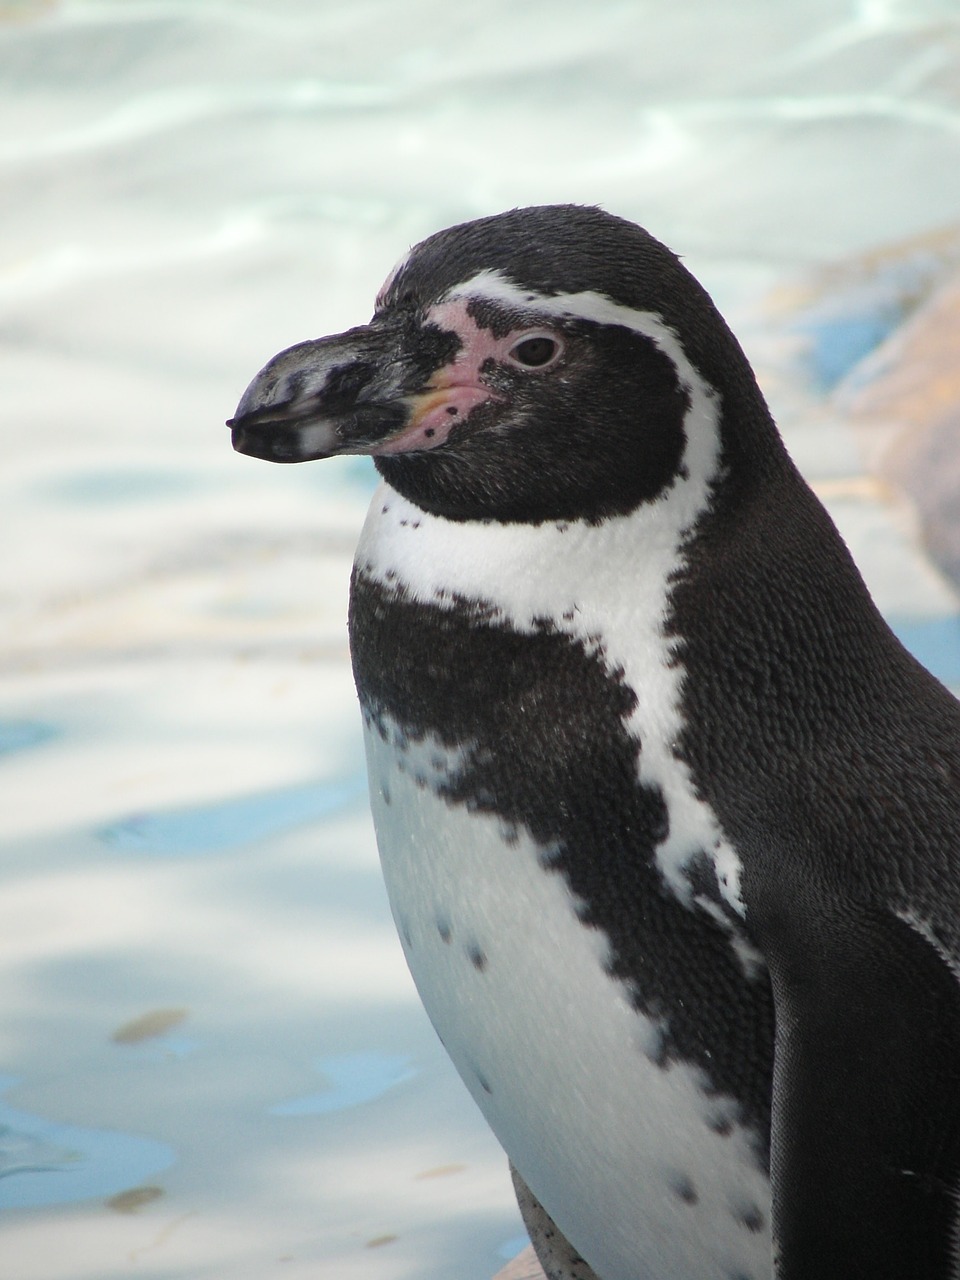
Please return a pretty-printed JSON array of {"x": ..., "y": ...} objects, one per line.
[
  {"x": 750, "y": 1216},
  {"x": 538, "y": 724},
  {"x": 656, "y": 1049},
  {"x": 443, "y": 928},
  {"x": 483, "y": 1082},
  {"x": 477, "y": 957},
  {"x": 683, "y": 1188}
]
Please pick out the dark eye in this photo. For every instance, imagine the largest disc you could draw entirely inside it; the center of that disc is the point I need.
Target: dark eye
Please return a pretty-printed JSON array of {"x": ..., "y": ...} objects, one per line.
[{"x": 535, "y": 352}]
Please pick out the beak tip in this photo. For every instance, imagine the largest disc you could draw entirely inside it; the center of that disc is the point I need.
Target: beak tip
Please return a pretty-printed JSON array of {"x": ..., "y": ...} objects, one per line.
[
  {"x": 321, "y": 398},
  {"x": 291, "y": 441}
]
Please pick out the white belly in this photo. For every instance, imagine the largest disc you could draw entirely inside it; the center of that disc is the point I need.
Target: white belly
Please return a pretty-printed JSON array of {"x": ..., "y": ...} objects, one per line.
[{"x": 637, "y": 1163}]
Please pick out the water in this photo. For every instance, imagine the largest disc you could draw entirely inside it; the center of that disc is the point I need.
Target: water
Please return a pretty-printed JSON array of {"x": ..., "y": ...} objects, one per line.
[{"x": 213, "y": 1061}]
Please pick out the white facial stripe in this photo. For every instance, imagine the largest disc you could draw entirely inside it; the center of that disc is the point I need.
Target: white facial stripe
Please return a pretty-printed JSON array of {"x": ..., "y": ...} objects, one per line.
[
  {"x": 494, "y": 286},
  {"x": 478, "y": 345},
  {"x": 606, "y": 585}
]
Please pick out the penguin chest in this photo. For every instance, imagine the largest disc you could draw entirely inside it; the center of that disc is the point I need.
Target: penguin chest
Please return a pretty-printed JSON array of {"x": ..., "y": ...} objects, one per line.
[
  {"x": 641, "y": 1161},
  {"x": 568, "y": 906}
]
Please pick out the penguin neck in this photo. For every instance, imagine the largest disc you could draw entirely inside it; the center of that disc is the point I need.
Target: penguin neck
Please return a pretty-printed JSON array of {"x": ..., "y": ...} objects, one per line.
[
  {"x": 525, "y": 572},
  {"x": 575, "y": 574}
]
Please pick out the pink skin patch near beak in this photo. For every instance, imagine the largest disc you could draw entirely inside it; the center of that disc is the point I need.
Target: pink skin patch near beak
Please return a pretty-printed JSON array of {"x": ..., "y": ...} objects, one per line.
[
  {"x": 437, "y": 413},
  {"x": 454, "y": 391}
]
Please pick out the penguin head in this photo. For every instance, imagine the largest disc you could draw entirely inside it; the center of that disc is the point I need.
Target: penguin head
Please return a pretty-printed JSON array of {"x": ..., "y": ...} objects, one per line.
[{"x": 550, "y": 363}]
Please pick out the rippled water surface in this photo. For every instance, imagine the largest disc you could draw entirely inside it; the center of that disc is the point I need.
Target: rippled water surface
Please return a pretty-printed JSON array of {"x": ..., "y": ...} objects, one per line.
[{"x": 212, "y": 1061}]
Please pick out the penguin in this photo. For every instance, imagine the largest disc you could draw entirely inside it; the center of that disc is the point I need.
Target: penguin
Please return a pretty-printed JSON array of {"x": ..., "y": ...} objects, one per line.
[{"x": 669, "y": 820}]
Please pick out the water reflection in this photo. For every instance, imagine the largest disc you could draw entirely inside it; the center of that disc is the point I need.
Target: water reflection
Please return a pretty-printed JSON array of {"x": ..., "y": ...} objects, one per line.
[
  {"x": 47, "y": 1162},
  {"x": 20, "y": 735},
  {"x": 241, "y": 820},
  {"x": 933, "y": 641},
  {"x": 354, "y": 1078}
]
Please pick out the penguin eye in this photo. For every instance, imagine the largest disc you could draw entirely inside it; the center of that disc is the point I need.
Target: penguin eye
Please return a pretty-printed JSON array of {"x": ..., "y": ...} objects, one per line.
[{"x": 536, "y": 351}]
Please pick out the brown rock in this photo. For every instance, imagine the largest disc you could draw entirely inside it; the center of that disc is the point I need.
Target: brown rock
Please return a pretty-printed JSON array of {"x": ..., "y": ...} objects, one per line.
[
  {"x": 924, "y": 464},
  {"x": 904, "y": 401},
  {"x": 524, "y": 1267},
  {"x": 913, "y": 378}
]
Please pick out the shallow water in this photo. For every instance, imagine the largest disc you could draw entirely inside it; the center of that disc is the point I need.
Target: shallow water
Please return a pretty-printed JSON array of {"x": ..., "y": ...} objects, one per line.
[{"x": 212, "y": 1060}]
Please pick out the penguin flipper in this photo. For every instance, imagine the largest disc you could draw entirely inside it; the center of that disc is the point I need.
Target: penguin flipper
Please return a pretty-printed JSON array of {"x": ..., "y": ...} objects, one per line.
[
  {"x": 559, "y": 1259},
  {"x": 866, "y": 1110}
]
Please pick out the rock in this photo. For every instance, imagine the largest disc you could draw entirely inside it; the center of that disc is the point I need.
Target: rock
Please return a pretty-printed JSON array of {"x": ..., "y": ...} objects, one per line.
[
  {"x": 904, "y": 402},
  {"x": 523, "y": 1267},
  {"x": 846, "y": 310},
  {"x": 879, "y": 337}
]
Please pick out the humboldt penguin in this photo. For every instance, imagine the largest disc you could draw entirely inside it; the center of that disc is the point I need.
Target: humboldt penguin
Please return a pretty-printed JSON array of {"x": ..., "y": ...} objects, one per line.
[{"x": 669, "y": 819}]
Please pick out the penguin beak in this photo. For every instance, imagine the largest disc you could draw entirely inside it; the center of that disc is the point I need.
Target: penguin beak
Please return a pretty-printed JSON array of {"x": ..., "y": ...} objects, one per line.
[{"x": 370, "y": 390}]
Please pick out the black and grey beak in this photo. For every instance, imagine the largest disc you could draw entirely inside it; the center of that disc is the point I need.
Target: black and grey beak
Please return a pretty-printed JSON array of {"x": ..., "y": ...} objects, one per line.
[{"x": 344, "y": 394}]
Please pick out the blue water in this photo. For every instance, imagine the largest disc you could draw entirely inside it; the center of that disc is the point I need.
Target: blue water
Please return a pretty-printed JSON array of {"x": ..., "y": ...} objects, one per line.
[
  {"x": 108, "y": 485},
  {"x": 838, "y": 343},
  {"x": 21, "y": 735},
  {"x": 352, "y": 1079},
  {"x": 188, "y": 188},
  {"x": 221, "y": 825},
  {"x": 46, "y": 1162},
  {"x": 933, "y": 641}
]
